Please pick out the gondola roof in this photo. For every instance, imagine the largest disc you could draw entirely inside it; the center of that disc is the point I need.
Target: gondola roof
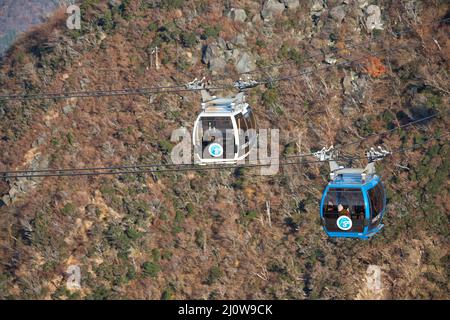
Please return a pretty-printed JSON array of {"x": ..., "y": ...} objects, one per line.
[
  {"x": 212, "y": 104},
  {"x": 352, "y": 178}
]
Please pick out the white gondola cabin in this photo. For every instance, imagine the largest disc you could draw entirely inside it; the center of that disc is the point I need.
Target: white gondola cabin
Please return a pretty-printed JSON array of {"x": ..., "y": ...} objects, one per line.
[{"x": 225, "y": 130}]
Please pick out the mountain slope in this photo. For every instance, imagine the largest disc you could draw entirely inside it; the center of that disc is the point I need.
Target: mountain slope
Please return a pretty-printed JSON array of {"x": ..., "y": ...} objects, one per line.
[{"x": 206, "y": 235}]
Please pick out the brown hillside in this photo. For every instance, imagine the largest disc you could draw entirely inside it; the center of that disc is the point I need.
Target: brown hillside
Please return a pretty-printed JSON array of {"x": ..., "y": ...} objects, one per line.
[{"x": 206, "y": 235}]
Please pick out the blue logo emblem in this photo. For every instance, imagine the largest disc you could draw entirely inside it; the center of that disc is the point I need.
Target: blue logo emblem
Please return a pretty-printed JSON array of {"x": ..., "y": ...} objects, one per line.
[
  {"x": 215, "y": 150},
  {"x": 344, "y": 223}
]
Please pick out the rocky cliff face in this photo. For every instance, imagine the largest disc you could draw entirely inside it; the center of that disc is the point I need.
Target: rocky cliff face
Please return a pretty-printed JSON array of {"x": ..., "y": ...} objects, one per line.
[{"x": 207, "y": 234}]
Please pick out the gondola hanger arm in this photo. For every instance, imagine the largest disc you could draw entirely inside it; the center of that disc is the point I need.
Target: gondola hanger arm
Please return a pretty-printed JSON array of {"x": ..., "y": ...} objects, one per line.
[
  {"x": 245, "y": 84},
  {"x": 325, "y": 153},
  {"x": 196, "y": 84},
  {"x": 377, "y": 154}
]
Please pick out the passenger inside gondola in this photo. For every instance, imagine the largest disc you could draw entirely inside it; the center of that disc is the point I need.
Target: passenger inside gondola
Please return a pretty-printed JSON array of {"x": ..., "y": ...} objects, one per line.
[{"x": 343, "y": 211}]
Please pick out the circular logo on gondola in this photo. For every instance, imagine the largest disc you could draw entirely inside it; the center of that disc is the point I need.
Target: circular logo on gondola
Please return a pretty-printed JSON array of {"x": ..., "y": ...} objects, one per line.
[
  {"x": 215, "y": 150},
  {"x": 344, "y": 223}
]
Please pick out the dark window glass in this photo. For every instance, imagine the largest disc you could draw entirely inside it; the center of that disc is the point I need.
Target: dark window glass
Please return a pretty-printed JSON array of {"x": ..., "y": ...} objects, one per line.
[
  {"x": 247, "y": 131},
  {"x": 352, "y": 201},
  {"x": 250, "y": 119},
  {"x": 216, "y": 130},
  {"x": 216, "y": 123},
  {"x": 376, "y": 198},
  {"x": 241, "y": 123}
]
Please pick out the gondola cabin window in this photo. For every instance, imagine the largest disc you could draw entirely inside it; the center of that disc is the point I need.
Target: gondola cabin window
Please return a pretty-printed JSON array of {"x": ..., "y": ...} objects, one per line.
[
  {"x": 344, "y": 201},
  {"x": 377, "y": 199},
  {"x": 217, "y": 130},
  {"x": 250, "y": 119}
]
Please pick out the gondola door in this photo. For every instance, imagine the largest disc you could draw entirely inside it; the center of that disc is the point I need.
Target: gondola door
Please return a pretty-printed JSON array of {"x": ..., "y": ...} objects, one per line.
[
  {"x": 242, "y": 129},
  {"x": 217, "y": 138},
  {"x": 246, "y": 127},
  {"x": 352, "y": 202},
  {"x": 377, "y": 200}
]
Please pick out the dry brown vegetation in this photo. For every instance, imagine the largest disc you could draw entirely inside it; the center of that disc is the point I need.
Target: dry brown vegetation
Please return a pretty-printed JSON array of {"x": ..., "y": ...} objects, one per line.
[{"x": 206, "y": 235}]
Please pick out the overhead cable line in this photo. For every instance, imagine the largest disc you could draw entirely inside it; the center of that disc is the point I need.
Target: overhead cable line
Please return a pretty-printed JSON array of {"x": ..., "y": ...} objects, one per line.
[
  {"x": 169, "y": 89},
  {"x": 22, "y": 174},
  {"x": 359, "y": 140},
  {"x": 164, "y": 89},
  {"x": 171, "y": 164}
]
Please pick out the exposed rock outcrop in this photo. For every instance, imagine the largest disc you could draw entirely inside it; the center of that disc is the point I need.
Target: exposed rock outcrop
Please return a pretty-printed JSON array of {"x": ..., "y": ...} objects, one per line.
[
  {"x": 22, "y": 186},
  {"x": 272, "y": 8},
  {"x": 245, "y": 63},
  {"x": 238, "y": 15},
  {"x": 291, "y": 4},
  {"x": 338, "y": 13}
]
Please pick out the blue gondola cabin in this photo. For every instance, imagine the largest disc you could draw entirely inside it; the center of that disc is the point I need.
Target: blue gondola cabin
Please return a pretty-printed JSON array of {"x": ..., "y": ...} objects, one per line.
[{"x": 353, "y": 203}]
